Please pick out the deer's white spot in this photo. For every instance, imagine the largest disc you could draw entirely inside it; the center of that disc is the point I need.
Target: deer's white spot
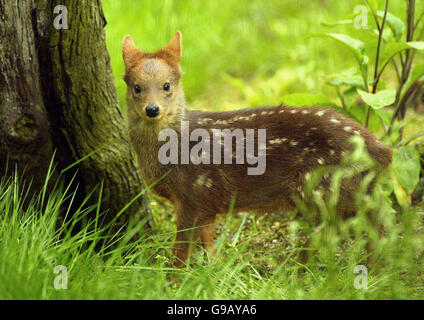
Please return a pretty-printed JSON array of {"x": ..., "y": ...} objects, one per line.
[
  {"x": 264, "y": 113},
  {"x": 347, "y": 128},
  {"x": 225, "y": 122},
  {"x": 237, "y": 118},
  {"x": 320, "y": 113},
  {"x": 201, "y": 180},
  {"x": 334, "y": 120},
  {"x": 320, "y": 161},
  {"x": 293, "y": 142},
  {"x": 204, "y": 120},
  {"x": 277, "y": 140},
  {"x": 208, "y": 183}
]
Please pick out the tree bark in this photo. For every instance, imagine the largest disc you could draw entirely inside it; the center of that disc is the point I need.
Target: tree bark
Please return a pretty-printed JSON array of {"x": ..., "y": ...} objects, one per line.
[
  {"x": 25, "y": 141},
  {"x": 57, "y": 93}
]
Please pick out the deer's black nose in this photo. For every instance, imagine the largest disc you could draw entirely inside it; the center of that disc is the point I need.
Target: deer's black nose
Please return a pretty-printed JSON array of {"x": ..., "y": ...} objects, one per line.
[{"x": 152, "y": 110}]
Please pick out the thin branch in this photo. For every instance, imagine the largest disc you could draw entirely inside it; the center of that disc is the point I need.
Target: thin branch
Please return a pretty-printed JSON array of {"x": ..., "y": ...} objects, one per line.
[
  {"x": 395, "y": 65},
  {"x": 402, "y": 60},
  {"x": 418, "y": 20},
  {"x": 377, "y": 79},
  {"x": 416, "y": 144},
  {"x": 367, "y": 120},
  {"x": 420, "y": 34},
  {"x": 342, "y": 99},
  {"x": 377, "y": 58},
  {"x": 409, "y": 52},
  {"x": 416, "y": 86},
  {"x": 374, "y": 15},
  {"x": 380, "y": 38},
  {"x": 383, "y": 124},
  {"x": 406, "y": 61},
  {"x": 411, "y": 138}
]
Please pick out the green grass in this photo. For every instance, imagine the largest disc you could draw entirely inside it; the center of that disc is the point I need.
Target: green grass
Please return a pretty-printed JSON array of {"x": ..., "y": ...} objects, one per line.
[
  {"x": 257, "y": 256},
  {"x": 264, "y": 45}
]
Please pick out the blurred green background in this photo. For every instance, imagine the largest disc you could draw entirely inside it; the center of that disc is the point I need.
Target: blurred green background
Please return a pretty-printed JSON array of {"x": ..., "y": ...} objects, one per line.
[
  {"x": 235, "y": 54},
  {"x": 243, "y": 53}
]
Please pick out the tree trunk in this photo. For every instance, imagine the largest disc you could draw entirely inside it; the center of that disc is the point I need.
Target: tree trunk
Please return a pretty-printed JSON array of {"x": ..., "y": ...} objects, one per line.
[
  {"x": 57, "y": 93},
  {"x": 25, "y": 140}
]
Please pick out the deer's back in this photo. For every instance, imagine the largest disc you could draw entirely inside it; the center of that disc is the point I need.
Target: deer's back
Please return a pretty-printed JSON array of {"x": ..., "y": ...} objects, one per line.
[{"x": 298, "y": 140}]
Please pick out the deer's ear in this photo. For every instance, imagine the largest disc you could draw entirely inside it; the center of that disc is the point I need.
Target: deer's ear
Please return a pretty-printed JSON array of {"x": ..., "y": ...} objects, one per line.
[
  {"x": 175, "y": 46},
  {"x": 129, "y": 48}
]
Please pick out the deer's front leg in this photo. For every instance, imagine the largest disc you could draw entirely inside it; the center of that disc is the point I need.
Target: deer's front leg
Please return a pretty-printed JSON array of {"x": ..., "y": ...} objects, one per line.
[
  {"x": 187, "y": 234},
  {"x": 183, "y": 247},
  {"x": 207, "y": 234}
]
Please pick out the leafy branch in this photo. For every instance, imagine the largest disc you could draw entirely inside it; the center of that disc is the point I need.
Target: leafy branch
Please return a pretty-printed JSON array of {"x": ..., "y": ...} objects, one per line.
[{"x": 377, "y": 75}]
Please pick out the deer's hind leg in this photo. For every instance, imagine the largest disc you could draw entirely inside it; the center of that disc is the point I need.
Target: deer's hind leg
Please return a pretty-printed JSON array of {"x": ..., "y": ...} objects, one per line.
[{"x": 374, "y": 250}]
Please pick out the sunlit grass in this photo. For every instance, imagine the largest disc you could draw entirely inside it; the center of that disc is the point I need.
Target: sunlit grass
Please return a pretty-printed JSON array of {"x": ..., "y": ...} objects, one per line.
[{"x": 258, "y": 256}]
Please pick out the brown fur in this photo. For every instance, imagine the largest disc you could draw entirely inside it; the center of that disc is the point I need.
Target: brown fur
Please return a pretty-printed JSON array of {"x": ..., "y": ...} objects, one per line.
[{"x": 309, "y": 138}]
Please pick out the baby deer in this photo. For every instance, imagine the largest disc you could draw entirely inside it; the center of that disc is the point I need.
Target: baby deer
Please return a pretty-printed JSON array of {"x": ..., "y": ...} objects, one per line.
[{"x": 201, "y": 181}]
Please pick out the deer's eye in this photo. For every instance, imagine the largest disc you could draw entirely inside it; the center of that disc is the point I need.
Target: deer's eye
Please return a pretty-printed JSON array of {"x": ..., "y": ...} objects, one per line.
[
  {"x": 166, "y": 86},
  {"x": 137, "y": 88}
]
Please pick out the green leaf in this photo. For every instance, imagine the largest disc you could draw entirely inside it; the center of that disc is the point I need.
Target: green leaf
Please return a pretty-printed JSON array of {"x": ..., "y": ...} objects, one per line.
[
  {"x": 352, "y": 81},
  {"x": 385, "y": 115},
  {"x": 336, "y": 23},
  {"x": 406, "y": 167},
  {"x": 392, "y": 49},
  {"x": 416, "y": 73},
  {"x": 402, "y": 196},
  {"x": 396, "y": 24},
  {"x": 373, "y": 4},
  {"x": 419, "y": 45},
  {"x": 410, "y": 138},
  {"x": 380, "y": 99},
  {"x": 350, "y": 96},
  {"x": 356, "y": 46},
  {"x": 305, "y": 99}
]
